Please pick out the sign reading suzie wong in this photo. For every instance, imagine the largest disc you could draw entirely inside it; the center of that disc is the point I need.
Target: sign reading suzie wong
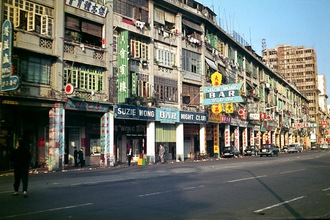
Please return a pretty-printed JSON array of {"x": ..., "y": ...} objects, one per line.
[{"x": 222, "y": 94}]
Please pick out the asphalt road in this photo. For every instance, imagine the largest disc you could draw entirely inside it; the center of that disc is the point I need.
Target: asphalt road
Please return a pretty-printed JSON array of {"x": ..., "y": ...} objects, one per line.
[{"x": 291, "y": 186}]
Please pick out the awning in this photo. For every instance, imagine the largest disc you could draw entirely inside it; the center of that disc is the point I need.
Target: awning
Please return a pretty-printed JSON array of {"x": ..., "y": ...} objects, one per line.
[
  {"x": 192, "y": 25},
  {"x": 211, "y": 64}
]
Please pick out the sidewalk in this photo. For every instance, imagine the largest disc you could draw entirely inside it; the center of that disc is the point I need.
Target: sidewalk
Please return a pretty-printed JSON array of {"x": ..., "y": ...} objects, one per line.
[{"x": 69, "y": 168}]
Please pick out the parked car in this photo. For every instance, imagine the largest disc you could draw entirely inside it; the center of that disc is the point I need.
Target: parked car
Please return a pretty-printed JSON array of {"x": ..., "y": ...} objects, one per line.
[
  {"x": 324, "y": 146},
  {"x": 251, "y": 151},
  {"x": 284, "y": 149},
  {"x": 269, "y": 150},
  {"x": 295, "y": 148},
  {"x": 314, "y": 147},
  {"x": 230, "y": 151}
]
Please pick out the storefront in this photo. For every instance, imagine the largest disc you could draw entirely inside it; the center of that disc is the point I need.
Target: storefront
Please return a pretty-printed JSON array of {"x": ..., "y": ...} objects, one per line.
[{"x": 131, "y": 130}]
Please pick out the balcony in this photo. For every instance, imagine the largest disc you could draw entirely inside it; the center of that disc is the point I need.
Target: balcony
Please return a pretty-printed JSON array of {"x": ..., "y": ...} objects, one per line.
[
  {"x": 33, "y": 42},
  {"x": 84, "y": 54}
]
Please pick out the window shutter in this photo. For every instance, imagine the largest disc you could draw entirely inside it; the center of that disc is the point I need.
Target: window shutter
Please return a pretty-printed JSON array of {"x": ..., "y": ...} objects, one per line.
[
  {"x": 17, "y": 17},
  {"x": 159, "y": 16},
  {"x": 169, "y": 17},
  {"x": 44, "y": 25},
  {"x": 92, "y": 29},
  {"x": 31, "y": 21},
  {"x": 72, "y": 23}
]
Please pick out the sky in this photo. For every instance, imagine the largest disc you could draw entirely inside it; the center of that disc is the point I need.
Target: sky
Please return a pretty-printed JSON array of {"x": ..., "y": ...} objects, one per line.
[{"x": 295, "y": 22}]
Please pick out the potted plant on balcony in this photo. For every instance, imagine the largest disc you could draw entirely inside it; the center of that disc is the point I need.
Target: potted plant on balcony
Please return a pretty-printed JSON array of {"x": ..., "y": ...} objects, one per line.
[{"x": 152, "y": 100}]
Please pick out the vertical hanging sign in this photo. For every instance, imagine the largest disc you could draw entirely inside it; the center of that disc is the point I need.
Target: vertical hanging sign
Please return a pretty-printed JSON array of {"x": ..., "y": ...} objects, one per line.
[
  {"x": 8, "y": 81},
  {"x": 56, "y": 138},
  {"x": 123, "y": 83},
  {"x": 105, "y": 138}
]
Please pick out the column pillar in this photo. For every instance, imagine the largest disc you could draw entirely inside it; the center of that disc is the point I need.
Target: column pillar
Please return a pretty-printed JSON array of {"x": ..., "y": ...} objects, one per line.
[
  {"x": 151, "y": 139},
  {"x": 180, "y": 142},
  {"x": 202, "y": 138}
]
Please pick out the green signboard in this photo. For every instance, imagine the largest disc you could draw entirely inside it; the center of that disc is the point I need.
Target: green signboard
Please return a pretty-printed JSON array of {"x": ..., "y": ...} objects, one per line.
[
  {"x": 8, "y": 81},
  {"x": 123, "y": 68}
]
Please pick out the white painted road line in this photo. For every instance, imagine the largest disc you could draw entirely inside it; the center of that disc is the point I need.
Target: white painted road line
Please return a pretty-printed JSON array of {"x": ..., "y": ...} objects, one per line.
[
  {"x": 326, "y": 189},
  {"x": 170, "y": 191},
  {"x": 243, "y": 179},
  {"x": 279, "y": 204},
  {"x": 48, "y": 210},
  {"x": 292, "y": 171}
]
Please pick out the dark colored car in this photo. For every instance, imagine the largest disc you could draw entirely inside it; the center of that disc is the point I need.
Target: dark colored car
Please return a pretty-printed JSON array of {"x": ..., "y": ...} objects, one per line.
[
  {"x": 269, "y": 150},
  {"x": 230, "y": 151},
  {"x": 251, "y": 151}
]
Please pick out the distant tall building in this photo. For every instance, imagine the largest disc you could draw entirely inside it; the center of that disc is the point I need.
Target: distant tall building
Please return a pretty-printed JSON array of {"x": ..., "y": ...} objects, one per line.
[
  {"x": 297, "y": 65},
  {"x": 323, "y": 93}
]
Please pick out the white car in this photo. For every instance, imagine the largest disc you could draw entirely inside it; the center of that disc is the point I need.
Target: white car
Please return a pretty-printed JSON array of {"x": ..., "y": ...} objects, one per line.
[
  {"x": 324, "y": 146},
  {"x": 294, "y": 148}
]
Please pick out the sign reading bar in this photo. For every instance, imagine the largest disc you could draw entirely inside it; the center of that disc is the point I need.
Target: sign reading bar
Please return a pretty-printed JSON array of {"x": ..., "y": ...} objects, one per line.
[{"x": 222, "y": 94}]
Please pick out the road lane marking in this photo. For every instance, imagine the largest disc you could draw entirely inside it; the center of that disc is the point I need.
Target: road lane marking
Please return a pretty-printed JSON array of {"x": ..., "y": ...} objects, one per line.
[
  {"x": 279, "y": 204},
  {"x": 326, "y": 189},
  {"x": 170, "y": 191},
  {"x": 248, "y": 178},
  {"x": 48, "y": 210},
  {"x": 292, "y": 171}
]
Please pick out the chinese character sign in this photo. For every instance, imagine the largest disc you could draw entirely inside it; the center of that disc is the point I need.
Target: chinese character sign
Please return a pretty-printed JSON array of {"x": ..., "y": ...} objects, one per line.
[
  {"x": 123, "y": 83},
  {"x": 8, "y": 81}
]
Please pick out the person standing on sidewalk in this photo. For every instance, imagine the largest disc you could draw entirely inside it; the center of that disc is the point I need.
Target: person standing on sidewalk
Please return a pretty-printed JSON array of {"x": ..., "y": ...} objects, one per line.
[
  {"x": 75, "y": 156},
  {"x": 21, "y": 158},
  {"x": 129, "y": 155},
  {"x": 162, "y": 153}
]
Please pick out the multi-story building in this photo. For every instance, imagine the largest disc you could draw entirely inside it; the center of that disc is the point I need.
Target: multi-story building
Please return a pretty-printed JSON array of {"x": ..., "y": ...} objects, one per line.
[
  {"x": 298, "y": 65},
  {"x": 324, "y": 118},
  {"x": 106, "y": 75}
]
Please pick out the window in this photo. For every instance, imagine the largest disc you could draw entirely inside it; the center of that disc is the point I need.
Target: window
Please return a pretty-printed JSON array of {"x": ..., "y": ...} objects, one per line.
[
  {"x": 87, "y": 79},
  {"x": 139, "y": 48},
  {"x": 33, "y": 69},
  {"x": 166, "y": 89},
  {"x": 191, "y": 94},
  {"x": 165, "y": 58},
  {"x": 135, "y": 9},
  {"x": 83, "y": 31},
  {"x": 143, "y": 85},
  {"x": 30, "y": 16},
  {"x": 191, "y": 62}
]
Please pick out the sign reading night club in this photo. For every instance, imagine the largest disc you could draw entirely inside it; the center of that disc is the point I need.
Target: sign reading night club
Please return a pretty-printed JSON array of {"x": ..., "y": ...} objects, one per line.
[
  {"x": 222, "y": 94},
  {"x": 8, "y": 81},
  {"x": 123, "y": 78}
]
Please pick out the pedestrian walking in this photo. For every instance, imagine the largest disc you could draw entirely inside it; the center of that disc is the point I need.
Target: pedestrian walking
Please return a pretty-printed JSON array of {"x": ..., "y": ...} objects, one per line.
[
  {"x": 21, "y": 159},
  {"x": 162, "y": 153},
  {"x": 75, "y": 156},
  {"x": 129, "y": 155}
]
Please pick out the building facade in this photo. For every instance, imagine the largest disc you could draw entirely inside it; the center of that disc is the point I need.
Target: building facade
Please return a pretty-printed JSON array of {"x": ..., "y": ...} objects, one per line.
[{"x": 106, "y": 75}]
